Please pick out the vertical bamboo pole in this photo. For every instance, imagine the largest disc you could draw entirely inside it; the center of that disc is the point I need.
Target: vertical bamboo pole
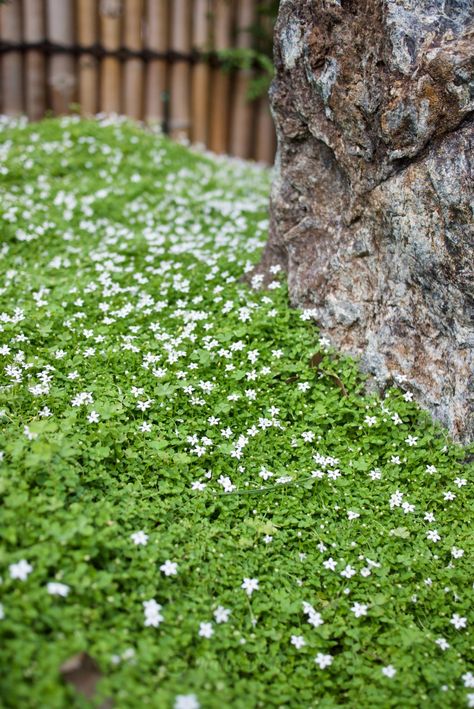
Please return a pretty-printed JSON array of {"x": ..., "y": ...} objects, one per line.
[
  {"x": 265, "y": 134},
  {"x": 220, "y": 111},
  {"x": 110, "y": 12},
  {"x": 156, "y": 39},
  {"x": 35, "y": 66},
  {"x": 12, "y": 76},
  {"x": 88, "y": 70},
  {"x": 60, "y": 30},
  {"x": 133, "y": 70},
  {"x": 180, "y": 69},
  {"x": 1, "y": 69},
  {"x": 266, "y": 137},
  {"x": 200, "y": 73},
  {"x": 242, "y": 107}
]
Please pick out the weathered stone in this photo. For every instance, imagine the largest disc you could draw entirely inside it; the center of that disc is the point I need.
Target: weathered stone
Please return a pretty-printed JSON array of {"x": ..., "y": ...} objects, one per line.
[{"x": 372, "y": 202}]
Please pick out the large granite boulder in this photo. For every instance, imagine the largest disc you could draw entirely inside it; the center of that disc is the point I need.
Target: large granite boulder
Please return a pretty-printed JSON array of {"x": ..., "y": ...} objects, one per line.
[{"x": 372, "y": 202}]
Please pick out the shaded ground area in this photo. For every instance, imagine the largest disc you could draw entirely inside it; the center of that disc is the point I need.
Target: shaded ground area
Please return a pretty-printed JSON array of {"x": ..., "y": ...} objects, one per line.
[{"x": 196, "y": 489}]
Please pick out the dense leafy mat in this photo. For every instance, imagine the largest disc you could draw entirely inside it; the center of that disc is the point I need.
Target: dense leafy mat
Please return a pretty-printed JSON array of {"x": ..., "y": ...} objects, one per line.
[{"x": 197, "y": 490}]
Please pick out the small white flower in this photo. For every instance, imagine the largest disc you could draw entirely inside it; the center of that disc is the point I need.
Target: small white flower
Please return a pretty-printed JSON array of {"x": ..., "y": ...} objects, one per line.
[
  {"x": 348, "y": 571},
  {"x": 352, "y": 515},
  {"x": 396, "y": 499},
  {"x": 222, "y": 614},
  {"x": 186, "y": 701},
  {"x": 359, "y": 609},
  {"x": 139, "y": 538},
  {"x": 468, "y": 679},
  {"x": 315, "y": 619},
  {"x": 169, "y": 568},
  {"x": 153, "y": 615},
  {"x": 433, "y": 535},
  {"x": 457, "y": 553},
  {"x": 249, "y": 585},
  {"x": 265, "y": 474},
  {"x": 442, "y": 643},
  {"x": 2, "y": 611},
  {"x": 458, "y": 621},
  {"x": 198, "y": 485},
  {"x": 330, "y": 564},
  {"x": 298, "y": 641},
  {"x": 58, "y": 589},
  {"x": 323, "y": 660},
  {"x": 206, "y": 630},
  {"x": 20, "y": 570},
  {"x": 389, "y": 671},
  {"x": 411, "y": 440},
  {"x": 268, "y": 538}
]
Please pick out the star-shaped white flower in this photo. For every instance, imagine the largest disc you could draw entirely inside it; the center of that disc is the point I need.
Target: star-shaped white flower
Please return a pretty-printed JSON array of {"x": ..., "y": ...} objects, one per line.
[
  {"x": 20, "y": 570},
  {"x": 206, "y": 630},
  {"x": 249, "y": 585},
  {"x": 298, "y": 641},
  {"x": 323, "y": 660},
  {"x": 458, "y": 621},
  {"x": 221, "y": 614},
  {"x": 57, "y": 589},
  {"x": 169, "y": 568},
  {"x": 139, "y": 538},
  {"x": 359, "y": 609},
  {"x": 186, "y": 701}
]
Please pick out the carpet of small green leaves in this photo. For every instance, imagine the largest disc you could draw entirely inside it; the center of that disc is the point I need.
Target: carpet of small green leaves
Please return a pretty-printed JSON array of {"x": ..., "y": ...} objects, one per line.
[{"x": 122, "y": 258}]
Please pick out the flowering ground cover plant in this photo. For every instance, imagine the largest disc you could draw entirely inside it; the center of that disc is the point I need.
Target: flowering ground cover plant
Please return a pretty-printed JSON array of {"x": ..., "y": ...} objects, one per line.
[{"x": 197, "y": 491}]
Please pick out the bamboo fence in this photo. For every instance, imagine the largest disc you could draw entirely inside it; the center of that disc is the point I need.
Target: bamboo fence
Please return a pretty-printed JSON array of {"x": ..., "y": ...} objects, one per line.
[{"x": 153, "y": 60}]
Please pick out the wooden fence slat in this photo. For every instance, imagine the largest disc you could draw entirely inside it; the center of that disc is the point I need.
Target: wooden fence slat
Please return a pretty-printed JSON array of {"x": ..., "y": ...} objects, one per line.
[
  {"x": 219, "y": 111},
  {"x": 265, "y": 143},
  {"x": 1, "y": 69},
  {"x": 110, "y": 74},
  {"x": 133, "y": 74},
  {"x": 180, "y": 70},
  {"x": 242, "y": 108},
  {"x": 201, "y": 73},
  {"x": 88, "y": 64},
  {"x": 35, "y": 64},
  {"x": 62, "y": 74},
  {"x": 11, "y": 63},
  {"x": 196, "y": 101},
  {"x": 265, "y": 131},
  {"x": 156, "y": 39}
]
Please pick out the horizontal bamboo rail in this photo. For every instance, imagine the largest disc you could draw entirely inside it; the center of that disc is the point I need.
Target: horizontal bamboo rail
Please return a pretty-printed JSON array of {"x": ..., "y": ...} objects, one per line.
[{"x": 154, "y": 60}]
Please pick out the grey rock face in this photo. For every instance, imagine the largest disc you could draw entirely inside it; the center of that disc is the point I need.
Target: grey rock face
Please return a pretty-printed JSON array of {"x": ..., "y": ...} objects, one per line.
[{"x": 372, "y": 202}]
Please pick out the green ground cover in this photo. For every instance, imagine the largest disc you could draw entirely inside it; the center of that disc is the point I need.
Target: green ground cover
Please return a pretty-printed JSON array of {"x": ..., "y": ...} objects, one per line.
[{"x": 215, "y": 515}]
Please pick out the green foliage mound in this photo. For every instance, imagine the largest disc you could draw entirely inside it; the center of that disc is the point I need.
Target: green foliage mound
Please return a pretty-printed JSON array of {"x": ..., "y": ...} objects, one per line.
[{"x": 197, "y": 490}]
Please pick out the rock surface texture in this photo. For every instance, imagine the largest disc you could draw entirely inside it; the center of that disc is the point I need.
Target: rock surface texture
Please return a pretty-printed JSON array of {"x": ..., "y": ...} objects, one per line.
[{"x": 372, "y": 201}]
